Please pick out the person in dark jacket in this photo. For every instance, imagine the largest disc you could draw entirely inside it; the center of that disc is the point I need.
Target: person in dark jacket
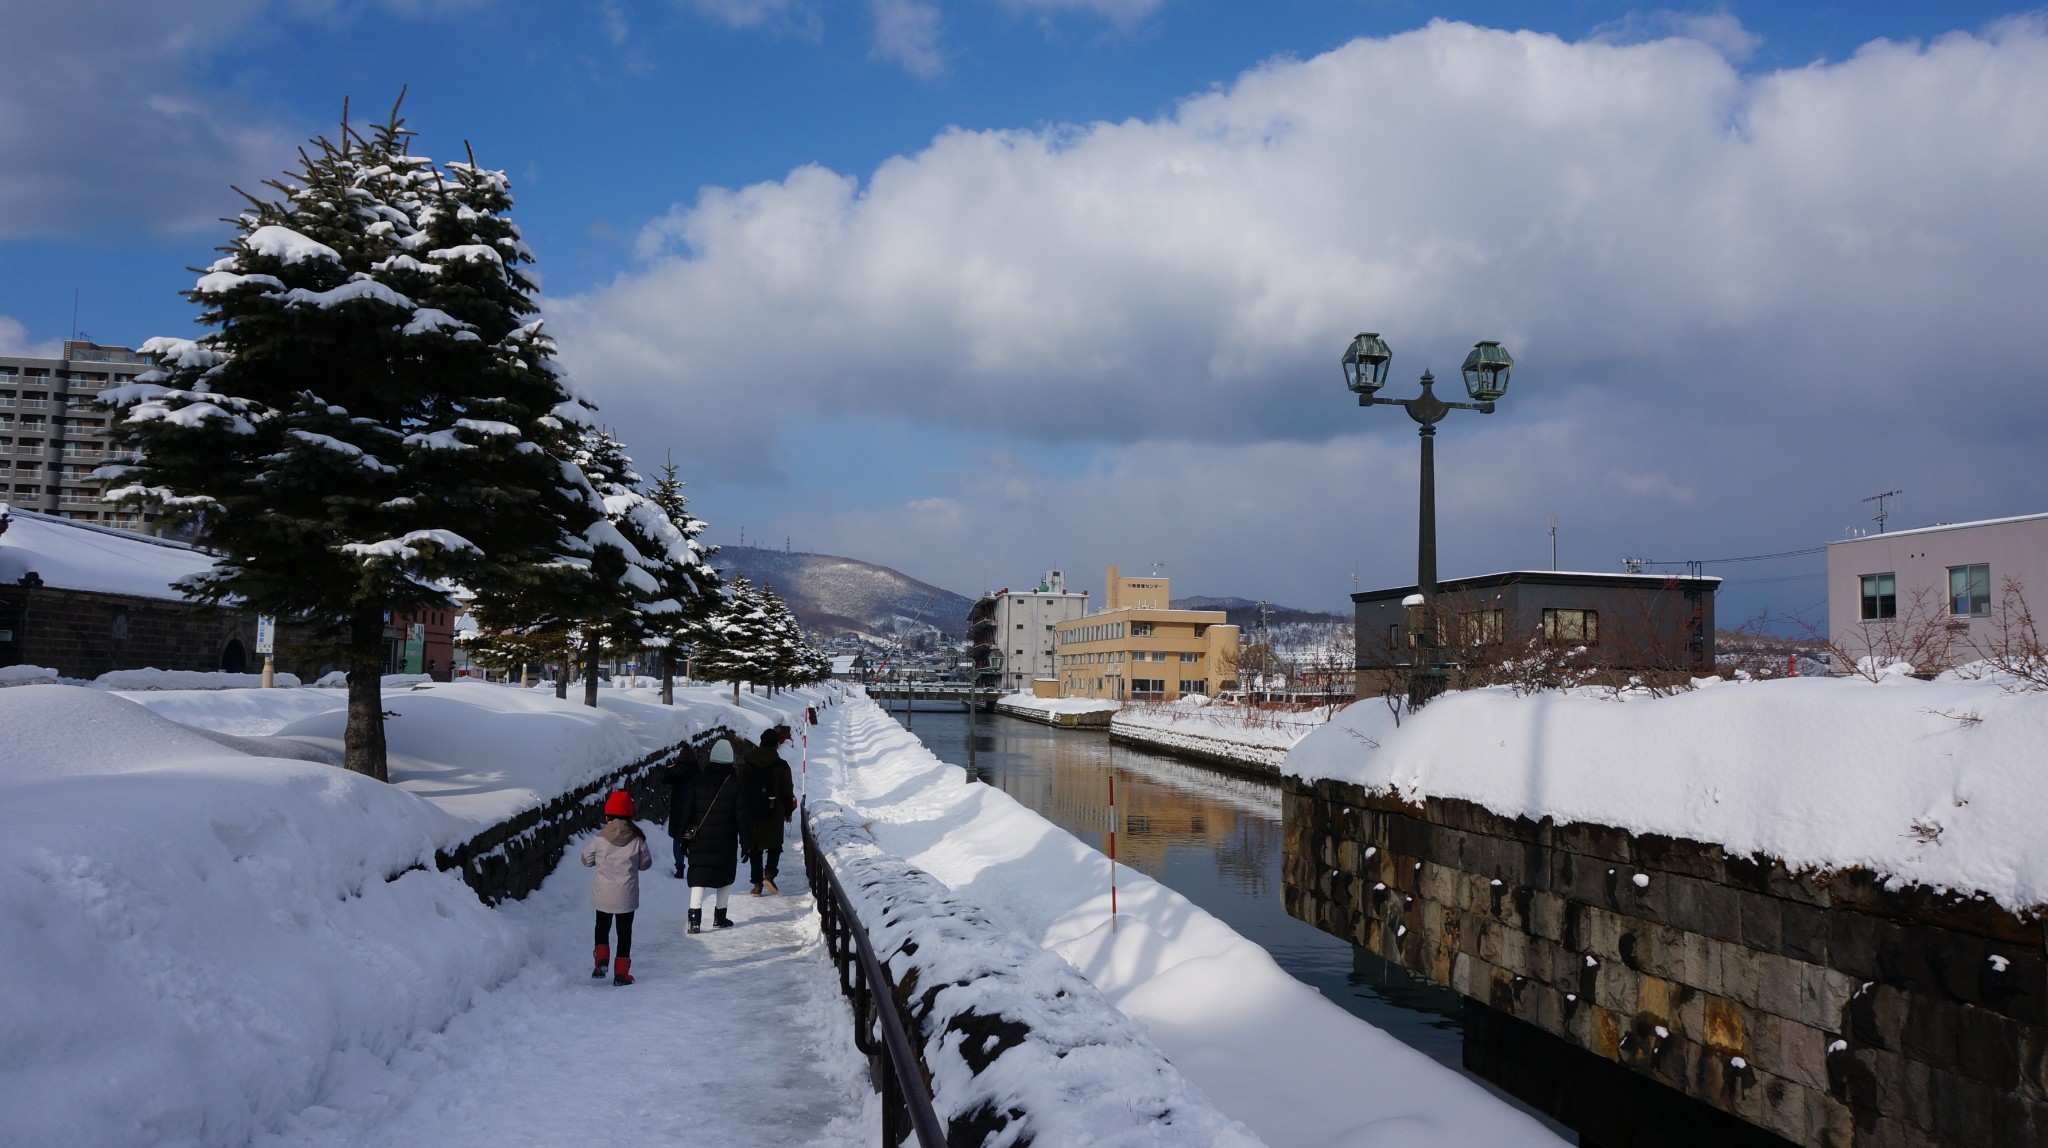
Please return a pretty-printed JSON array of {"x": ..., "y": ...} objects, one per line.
[
  {"x": 768, "y": 800},
  {"x": 711, "y": 828},
  {"x": 676, "y": 776}
]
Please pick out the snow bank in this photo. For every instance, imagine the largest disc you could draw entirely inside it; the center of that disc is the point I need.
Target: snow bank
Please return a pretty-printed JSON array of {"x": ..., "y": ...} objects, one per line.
[
  {"x": 155, "y": 679},
  {"x": 27, "y": 676},
  {"x": 80, "y": 556},
  {"x": 1024, "y": 701},
  {"x": 192, "y": 940},
  {"x": 1266, "y": 1049},
  {"x": 1937, "y": 783},
  {"x": 244, "y": 713},
  {"x": 1218, "y": 730},
  {"x": 1020, "y": 1047}
]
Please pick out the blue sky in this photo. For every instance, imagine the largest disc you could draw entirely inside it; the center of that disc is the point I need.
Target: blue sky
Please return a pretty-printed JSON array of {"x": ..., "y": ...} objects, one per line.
[{"x": 903, "y": 279}]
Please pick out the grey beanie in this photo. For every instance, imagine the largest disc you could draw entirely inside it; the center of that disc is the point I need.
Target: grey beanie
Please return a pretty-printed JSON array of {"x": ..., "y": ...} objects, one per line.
[{"x": 721, "y": 754}]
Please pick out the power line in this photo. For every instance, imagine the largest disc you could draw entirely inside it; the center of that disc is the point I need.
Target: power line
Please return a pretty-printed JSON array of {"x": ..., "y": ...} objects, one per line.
[{"x": 1743, "y": 558}]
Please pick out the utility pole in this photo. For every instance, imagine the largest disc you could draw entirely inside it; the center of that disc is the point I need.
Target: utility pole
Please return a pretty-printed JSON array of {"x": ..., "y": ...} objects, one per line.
[
  {"x": 1883, "y": 506},
  {"x": 1553, "y": 542}
]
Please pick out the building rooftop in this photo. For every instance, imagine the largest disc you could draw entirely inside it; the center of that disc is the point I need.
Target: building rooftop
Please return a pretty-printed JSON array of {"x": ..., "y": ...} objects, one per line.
[
  {"x": 1940, "y": 526},
  {"x": 1540, "y": 577},
  {"x": 81, "y": 556}
]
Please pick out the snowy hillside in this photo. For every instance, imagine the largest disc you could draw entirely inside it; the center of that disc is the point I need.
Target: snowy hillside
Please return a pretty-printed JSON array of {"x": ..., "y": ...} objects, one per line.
[{"x": 833, "y": 595}]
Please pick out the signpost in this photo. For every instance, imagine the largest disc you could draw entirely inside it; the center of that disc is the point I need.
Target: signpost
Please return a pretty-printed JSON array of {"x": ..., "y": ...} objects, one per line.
[{"x": 266, "y": 644}]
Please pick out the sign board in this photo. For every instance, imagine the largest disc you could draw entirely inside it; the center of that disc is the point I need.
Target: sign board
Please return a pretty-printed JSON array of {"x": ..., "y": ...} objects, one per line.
[
  {"x": 415, "y": 648},
  {"x": 266, "y": 634}
]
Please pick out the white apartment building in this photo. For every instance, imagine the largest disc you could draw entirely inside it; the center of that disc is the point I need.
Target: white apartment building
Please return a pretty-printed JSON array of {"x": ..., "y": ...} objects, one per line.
[
  {"x": 1024, "y": 628},
  {"x": 1934, "y": 594},
  {"x": 52, "y": 437}
]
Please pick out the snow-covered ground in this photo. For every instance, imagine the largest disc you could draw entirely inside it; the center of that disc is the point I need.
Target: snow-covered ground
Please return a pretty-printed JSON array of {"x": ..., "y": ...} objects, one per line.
[
  {"x": 1024, "y": 701},
  {"x": 1247, "y": 735},
  {"x": 1266, "y": 1049},
  {"x": 1939, "y": 783}
]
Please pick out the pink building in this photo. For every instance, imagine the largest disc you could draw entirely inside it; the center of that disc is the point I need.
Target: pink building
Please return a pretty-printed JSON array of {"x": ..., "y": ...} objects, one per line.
[{"x": 1937, "y": 594}]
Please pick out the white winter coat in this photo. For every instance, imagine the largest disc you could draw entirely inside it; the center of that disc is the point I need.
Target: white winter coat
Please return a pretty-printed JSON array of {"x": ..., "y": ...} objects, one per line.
[{"x": 619, "y": 853}]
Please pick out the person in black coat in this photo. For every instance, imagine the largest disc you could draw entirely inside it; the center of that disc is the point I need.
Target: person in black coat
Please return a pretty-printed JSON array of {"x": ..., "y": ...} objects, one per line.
[
  {"x": 676, "y": 776},
  {"x": 710, "y": 820}
]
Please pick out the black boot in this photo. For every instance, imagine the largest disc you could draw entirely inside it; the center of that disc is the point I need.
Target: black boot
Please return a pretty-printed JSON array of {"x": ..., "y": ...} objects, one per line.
[
  {"x": 719, "y": 920},
  {"x": 696, "y": 920}
]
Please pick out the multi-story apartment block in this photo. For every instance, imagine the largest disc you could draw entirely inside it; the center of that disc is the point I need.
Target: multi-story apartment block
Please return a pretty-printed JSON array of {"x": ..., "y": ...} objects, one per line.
[
  {"x": 1138, "y": 648},
  {"x": 52, "y": 436},
  {"x": 1025, "y": 621}
]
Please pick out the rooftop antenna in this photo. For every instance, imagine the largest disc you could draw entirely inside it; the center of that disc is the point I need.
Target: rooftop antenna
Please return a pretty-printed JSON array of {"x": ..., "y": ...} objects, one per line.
[
  {"x": 1157, "y": 567},
  {"x": 74, "y": 314},
  {"x": 1883, "y": 506},
  {"x": 1553, "y": 542}
]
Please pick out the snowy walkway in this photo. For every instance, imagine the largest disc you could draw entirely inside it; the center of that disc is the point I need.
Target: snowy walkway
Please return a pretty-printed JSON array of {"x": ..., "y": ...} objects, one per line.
[{"x": 737, "y": 1036}]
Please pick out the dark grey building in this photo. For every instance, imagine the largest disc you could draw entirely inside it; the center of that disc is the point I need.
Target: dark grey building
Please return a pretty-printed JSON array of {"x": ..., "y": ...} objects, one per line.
[{"x": 1624, "y": 621}]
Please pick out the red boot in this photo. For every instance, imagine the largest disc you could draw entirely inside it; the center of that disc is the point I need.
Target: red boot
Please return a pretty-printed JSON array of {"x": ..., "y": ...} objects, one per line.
[
  {"x": 604, "y": 953},
  {"x": 622, "y": 971}
]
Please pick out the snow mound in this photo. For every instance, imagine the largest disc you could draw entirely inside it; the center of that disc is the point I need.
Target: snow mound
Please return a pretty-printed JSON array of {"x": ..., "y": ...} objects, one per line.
[
  {"x": 1021, "y": 1047},
  {"x": 155, "y": 679},
  {"x": 195, "y": 941},
  {"x": 338, "y": 680},
  {"x": 1934, "y": 783},
  {"x": 27, "y": 676}
]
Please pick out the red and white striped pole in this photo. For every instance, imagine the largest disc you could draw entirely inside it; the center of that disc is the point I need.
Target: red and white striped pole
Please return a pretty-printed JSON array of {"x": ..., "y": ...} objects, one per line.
[{"x": 1112, "y": 852}]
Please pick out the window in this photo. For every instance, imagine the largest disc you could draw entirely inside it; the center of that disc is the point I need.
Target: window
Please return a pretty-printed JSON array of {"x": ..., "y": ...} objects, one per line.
[
  {"x": 1201, "y": 631},
  {"x": 1969, "y": 590},
  {"x": 1020, "y": 625},
  {"x": 1880, "y": 597},
  {"x": 1479, "y": 628},
  {"x": 1194, "y": 686},
  {"x": 1141, "y": 629},
  {"x": 1582, "y": 626},
  {"x": 1191, "y": 657},
  {"x": 1141, "y": 687}
]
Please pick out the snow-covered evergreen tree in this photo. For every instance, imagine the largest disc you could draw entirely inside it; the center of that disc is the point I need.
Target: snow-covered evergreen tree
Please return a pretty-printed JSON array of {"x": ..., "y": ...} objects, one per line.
[
  {"x": 738, "y": 639},
  {"x": 374, "y": 414},
  {"x": 695, "y": 587}
]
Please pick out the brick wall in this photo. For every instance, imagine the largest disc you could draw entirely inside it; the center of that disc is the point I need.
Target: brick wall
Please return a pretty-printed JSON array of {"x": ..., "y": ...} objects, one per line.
[
  {"x": 1823, "y": 1008},
  {"x": 83, "y": 634}
]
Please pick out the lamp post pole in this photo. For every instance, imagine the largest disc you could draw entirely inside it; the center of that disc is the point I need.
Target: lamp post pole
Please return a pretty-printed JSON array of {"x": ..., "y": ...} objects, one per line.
[{"x": 1486, "y": 371}]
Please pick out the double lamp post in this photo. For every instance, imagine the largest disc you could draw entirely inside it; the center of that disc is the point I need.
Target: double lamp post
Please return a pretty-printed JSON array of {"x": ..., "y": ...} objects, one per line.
[{"x": 1486, "y": 373}]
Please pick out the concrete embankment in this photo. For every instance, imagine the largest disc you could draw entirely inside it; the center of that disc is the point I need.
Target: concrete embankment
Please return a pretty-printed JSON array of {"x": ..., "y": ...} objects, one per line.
[{"x": 1085, "y": 719}]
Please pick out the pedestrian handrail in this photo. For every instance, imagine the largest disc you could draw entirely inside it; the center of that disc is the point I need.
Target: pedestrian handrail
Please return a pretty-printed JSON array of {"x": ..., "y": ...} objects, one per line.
[{"x": 878, "y": 1030}]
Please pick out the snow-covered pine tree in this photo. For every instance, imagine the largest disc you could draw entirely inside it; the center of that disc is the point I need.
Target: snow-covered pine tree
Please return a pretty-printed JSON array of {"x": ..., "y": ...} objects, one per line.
[
  {"x": 647, "y": 575},
  {"x": 785, "y": 649},
  {"x": 736, "y": 638},
  {"x": 696, "y": 587},
  {"x": 373, "y": 415}
]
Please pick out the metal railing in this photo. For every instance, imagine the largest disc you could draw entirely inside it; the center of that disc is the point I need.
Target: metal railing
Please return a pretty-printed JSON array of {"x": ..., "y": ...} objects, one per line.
[{"x": 878, "y": 1030}]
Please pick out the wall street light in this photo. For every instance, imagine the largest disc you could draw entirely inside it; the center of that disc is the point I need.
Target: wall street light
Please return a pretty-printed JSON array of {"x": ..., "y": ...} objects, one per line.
[{"x": 1486, "y": 371}]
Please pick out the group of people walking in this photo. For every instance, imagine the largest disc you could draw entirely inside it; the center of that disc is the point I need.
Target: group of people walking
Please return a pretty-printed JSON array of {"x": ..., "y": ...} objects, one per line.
[{"x": 720, "y": 807}]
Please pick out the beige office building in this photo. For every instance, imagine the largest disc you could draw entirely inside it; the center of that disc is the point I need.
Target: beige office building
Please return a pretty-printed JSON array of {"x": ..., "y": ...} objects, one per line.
[{"x": 1136, "y": 648}]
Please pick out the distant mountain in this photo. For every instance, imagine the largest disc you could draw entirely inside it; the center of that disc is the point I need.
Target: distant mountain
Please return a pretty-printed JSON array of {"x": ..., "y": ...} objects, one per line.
[
  {"x": 833, "y": 595},
  {"x": 1244, "y": 613}
]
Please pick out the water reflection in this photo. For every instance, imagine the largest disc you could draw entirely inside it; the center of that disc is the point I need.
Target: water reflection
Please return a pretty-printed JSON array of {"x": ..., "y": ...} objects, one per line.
[{"x": 1213, "y": 837}]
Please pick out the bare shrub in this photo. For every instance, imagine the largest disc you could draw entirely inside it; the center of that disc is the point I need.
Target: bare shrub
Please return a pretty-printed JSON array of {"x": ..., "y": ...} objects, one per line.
[{"x": 2014, "y": 647}]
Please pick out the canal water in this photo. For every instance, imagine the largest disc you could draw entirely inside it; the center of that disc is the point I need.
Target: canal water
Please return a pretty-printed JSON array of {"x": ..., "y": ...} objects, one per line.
[{"x": 1212, "y": 836}]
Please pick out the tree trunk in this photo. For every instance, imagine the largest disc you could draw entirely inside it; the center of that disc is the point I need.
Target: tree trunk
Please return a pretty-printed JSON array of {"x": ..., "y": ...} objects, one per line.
[
  {"x": 566, "y": 659},
  {"x": 735, "y": 691},
  {"x": 668, "y": 679},
  {"x": 591, "y": 648},
  {"x": 525, "y": 675},
  {"x": 363, "y": 737}
]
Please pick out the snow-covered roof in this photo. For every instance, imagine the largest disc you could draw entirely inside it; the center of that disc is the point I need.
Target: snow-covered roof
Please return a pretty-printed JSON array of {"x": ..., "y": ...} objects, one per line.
[
  {"x": 1940, "y": 527},
  {"x": 1500, "y": 577},
  {"x": 81, "y": 556}
]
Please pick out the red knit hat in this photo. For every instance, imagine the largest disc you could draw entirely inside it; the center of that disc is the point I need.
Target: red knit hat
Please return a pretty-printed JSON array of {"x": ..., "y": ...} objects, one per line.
[{"x": 619, "y": 804}]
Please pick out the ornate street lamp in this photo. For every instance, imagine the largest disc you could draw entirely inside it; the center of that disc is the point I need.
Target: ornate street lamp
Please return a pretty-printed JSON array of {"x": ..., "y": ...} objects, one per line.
[{"x": 1486, "y": 372}]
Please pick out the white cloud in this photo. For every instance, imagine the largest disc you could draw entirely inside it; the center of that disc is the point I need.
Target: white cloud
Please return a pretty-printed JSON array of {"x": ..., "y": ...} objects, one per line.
[
  {"x": 1719, "y": 30},
  {"x": 780, "y": 16},
  {"x": 14, "y": 341},
  {"x": 907, "y": 34},
  {"x": 1121, "y": 12},
  {"x": 1780, "y": 287}
]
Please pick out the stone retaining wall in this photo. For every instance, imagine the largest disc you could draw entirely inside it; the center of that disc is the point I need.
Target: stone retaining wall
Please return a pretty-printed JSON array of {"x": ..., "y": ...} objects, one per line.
[
  {"x": 1824, "y": 1008},
  {"x": 512, "y": 858}
]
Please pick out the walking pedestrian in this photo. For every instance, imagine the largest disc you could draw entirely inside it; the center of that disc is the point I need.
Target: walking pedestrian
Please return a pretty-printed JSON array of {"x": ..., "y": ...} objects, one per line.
[
  {"x": 768, "y": 800},
  {"x": 711, "y": 835},
  {"x": 618, "y": 853},
  {"x": 676, "y": 776}
]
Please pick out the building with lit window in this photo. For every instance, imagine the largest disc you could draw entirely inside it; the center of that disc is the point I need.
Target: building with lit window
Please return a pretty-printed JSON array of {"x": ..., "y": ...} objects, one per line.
[
  {"x": 1138, "y": 648},
  {"x": 1936, "y": 594},
  {"x": 52, "y": 436}
]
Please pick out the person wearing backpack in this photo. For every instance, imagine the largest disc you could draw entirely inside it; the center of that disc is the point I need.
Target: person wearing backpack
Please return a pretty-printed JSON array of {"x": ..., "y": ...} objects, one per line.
[
  {"x": 711, "y": 819},
  {"x": 676, "y": 776},
  {"x": 769, "y": 801},
  {"x": 618, "y": 853}
]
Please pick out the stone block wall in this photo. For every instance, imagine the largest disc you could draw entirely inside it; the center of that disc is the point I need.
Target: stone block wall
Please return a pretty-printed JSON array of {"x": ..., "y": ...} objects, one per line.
[
  {"x": 83, "y": 634},
  {"x": 1821, "y": 1007},
  {"x": 512, "y": 858}
]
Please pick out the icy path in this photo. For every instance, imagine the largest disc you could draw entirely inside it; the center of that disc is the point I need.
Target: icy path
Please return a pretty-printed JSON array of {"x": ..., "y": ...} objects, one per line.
[{"x": 737, "y": 1036}]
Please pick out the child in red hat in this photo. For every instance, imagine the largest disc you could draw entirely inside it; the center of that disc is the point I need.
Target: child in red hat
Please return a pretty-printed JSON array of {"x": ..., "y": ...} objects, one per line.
[{"x": 618, "y": 852}]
